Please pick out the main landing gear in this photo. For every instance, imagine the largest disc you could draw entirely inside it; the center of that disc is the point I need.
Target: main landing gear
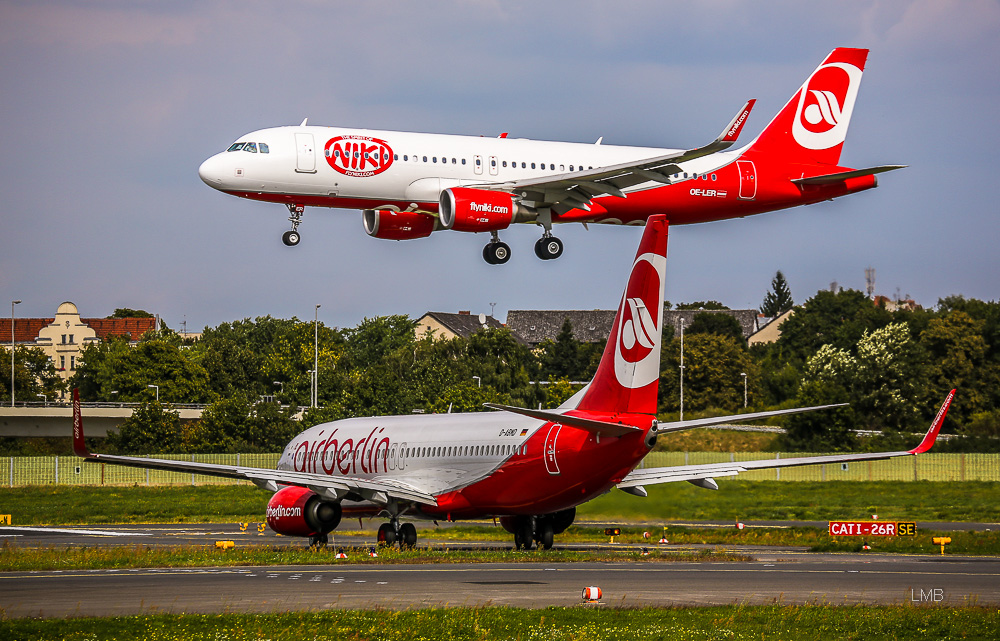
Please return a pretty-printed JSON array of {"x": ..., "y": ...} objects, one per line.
[
  {"x": 395, "y": 532},
  {"x": 531, "y": 530},
  {"x": 319, "y": 540},
  {"x": 291, "y": 237},
  {"x": 548, "y": 247}
]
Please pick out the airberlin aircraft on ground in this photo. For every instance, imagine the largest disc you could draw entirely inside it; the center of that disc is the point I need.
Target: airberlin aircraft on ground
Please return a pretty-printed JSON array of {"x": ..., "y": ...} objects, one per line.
[
  {"x": 412, "y": 184},
  {"x": 529, "y": 468}
]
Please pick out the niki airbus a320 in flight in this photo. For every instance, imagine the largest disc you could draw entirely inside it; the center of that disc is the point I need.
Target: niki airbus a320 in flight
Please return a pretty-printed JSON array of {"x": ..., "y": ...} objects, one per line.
[
  {"x": 528, "y": 468},
  {"x": 409, "y": 185}
]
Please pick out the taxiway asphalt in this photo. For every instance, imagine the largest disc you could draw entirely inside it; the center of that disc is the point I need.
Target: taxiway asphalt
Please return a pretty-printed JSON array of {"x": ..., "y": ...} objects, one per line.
[{"x": 787, "y": 575}]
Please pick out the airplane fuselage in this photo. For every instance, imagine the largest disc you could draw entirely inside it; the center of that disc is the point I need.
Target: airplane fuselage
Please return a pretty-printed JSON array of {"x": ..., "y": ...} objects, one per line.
[
  {"x": 370, "y": 169},
  {"x": 475, "y": 464}
]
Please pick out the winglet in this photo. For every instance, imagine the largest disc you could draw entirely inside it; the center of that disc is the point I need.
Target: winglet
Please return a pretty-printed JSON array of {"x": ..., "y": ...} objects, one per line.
[
  {"x": 733, "y": 129},
  {"x": 935, "y": 427},
  {"x": 79, "y": 448}
]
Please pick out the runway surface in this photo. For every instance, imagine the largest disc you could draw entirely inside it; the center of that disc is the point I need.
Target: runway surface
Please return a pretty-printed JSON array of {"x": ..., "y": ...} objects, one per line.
[
  {"x": 783, "y": 574},
  {"x": 173, "y": 534},
  {"x": 850, "y": 580}
]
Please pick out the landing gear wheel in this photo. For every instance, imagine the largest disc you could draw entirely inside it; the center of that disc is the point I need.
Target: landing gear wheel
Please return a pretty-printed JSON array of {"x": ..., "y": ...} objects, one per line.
[
  {"x": 496, "y": 253},
  {"x": 407, "y": 535},
  {"x": 545, "y": 534},
  {"x": 548, "y": 248},
  {"x": 386, "y": 534},
  {"x": 290, "y": 238},
  {"x": 318, "y": 540},
  {"x": 523, "y": 535}
]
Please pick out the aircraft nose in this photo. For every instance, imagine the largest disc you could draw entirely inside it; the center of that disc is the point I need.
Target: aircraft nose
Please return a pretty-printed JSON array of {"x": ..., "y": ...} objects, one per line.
[{"x": 211, "y": 171}]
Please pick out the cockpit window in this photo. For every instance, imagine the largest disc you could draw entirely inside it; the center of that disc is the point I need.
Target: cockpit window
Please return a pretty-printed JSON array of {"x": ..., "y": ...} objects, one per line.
[{"x": 249, "y": 147}]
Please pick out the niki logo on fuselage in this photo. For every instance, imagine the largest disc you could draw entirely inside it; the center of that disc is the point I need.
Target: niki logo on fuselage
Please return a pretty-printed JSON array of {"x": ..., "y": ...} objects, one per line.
[
  {"x": 826, "y": 101},
  {"x": 358, "y": 156}
]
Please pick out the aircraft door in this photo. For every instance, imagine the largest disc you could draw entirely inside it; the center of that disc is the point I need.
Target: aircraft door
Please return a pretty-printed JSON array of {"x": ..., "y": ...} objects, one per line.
[
  {"x": 477, "y": 164},
  {"x": 551, "y": 465},
  {"x": 748, "y": 179},
  {"x": 305, "y": 162},
  {"x": 494, "y": 167}
]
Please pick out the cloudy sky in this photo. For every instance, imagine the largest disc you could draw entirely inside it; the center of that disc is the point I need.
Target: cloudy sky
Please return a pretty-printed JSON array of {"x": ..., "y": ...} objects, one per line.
[{"x": 108, "y": 107}]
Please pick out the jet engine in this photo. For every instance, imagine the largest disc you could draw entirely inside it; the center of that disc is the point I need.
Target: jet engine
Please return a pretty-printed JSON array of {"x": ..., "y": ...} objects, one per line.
[
  {"x": 465, "y": 209},
  {"x": 296, "y": 511},
  {"x": 397, "y": 225}
]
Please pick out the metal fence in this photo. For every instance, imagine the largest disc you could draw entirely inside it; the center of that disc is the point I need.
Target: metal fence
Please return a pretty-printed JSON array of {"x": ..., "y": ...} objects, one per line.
[
  {"x": 924, "y": 467},
  {"x": 70, "y": 470}
]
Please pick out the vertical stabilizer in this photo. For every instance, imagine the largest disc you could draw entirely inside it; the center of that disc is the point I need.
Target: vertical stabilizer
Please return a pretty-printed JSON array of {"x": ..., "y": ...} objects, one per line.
[
  {"x": 813, "y": 125},
  {"x": 628, "y": 375}
]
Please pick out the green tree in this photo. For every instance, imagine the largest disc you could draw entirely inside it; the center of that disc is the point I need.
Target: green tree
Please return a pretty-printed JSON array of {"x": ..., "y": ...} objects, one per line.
[
  {"x": 716, "y": 323},
  {"x": 839, "y": 319},
  {"x": 779, "y": 299},
  {"x": 957, "y": 358},
  {"x": 713, "y": 369},
  {"x": 152, "y": 429},
  {"x": 702, "y": 304},
  {"x": 34, "y": 374},
  {"x": 240, "y": 424},
  {"x": 125, "y": 312},
  {"x": 115, "y": 366},
  {"x": 561, "y": 358}
]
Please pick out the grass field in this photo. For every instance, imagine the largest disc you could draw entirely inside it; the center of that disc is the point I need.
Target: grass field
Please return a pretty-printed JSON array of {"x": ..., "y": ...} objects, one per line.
[
  {"x": 735, "y": 622},
  {"x": 970, "y": 501}
]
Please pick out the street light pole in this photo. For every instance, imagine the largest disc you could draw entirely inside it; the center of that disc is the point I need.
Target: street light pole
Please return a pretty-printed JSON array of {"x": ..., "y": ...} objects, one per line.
[
  {"x": 682, "y": 370},
  {"x": 315, "y": 392},
  {"x": 12, "y": 303},
  {"x": 157, "y": 392},
  {"x": 744, "y": 375},
  {"x": 478, "y": 380}
]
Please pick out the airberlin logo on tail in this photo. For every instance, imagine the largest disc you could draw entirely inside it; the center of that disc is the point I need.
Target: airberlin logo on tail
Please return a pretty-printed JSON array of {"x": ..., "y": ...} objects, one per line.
[
  {"x": 358, "y": 156},
  {"x": 637, "y": 358},
  {"x": 825, "y": 105}
]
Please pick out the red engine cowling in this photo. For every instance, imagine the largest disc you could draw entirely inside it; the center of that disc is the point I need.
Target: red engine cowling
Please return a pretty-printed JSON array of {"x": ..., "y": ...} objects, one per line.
[
  {"x": 296, "y": 511},
  {"x": 464, "y": 209},
  {"x": 397, "y": 225}
]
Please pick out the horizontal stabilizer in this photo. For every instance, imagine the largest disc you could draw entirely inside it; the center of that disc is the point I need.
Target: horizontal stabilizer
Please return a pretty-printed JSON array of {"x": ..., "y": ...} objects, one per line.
[
  {"x": 677, "y": 426},
  {"x": 591, "y": 425},
  {"x": 844, "y": 175}
]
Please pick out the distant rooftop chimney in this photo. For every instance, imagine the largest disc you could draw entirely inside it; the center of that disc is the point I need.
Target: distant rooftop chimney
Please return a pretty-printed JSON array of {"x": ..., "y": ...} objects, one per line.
[{"x": 464, "y": 313}]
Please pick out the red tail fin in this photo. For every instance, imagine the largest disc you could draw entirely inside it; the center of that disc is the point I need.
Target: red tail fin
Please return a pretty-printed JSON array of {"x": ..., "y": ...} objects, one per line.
[
  {"x": 78, "y": 446},
  {"x": 813, "y": 125},
  {"x": 629, "y": 373}
]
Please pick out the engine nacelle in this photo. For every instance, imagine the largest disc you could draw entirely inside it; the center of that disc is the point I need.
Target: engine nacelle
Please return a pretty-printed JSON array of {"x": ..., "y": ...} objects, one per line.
[
  {"x": 464, "y": 209},
  {"x": 296, "y": 511},
  {"x": 397, "y": 225}
]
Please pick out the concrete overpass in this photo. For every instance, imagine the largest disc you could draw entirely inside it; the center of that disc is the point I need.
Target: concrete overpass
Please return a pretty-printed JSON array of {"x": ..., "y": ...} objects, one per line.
[{"x": 36, "y": 420}]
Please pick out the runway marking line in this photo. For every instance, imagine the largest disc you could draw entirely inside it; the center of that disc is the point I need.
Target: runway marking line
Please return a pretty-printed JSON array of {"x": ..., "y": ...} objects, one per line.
[{"x": 72, "y": 531}]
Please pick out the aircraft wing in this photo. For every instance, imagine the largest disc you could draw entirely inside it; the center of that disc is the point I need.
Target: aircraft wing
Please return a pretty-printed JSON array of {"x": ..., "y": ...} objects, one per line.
[
  {"x": 334, "y": 487},
  {"x": 575, "y": 190},
  {"x": 704, "y": 475}
]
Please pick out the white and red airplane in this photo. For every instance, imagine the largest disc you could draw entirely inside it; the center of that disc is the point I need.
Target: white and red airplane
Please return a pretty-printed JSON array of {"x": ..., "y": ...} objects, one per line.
[
  {"x": 529, "y": 468},
  {"x": 412, "y": 184}
]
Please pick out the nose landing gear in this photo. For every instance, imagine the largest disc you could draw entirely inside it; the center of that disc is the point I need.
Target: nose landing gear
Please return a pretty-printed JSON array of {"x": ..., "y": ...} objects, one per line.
[
  {"x": 395, "y": 532},
  {"x": 291, "y": 237}
]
